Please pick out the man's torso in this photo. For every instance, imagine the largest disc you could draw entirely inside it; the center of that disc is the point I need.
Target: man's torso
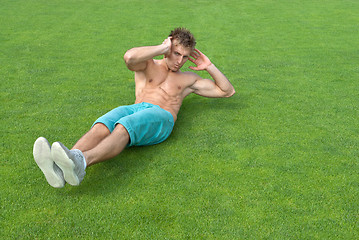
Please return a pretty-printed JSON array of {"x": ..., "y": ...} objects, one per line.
[{"x": 161, "y": 87}]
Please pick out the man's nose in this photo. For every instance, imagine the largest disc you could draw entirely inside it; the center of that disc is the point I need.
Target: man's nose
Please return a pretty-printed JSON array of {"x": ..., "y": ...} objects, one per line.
[{"x": 180, "y": 58}]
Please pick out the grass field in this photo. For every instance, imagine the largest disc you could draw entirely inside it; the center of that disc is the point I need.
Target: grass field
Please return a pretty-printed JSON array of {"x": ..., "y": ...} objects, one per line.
[{"x": 278, "y": 160}]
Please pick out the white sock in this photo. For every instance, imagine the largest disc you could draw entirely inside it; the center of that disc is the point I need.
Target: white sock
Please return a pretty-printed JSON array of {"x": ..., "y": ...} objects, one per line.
[{"x": 77, "y": 151}]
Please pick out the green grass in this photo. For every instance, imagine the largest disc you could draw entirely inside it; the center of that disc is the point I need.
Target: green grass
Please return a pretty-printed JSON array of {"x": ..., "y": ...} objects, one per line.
[{"x": 278, "y": 160}]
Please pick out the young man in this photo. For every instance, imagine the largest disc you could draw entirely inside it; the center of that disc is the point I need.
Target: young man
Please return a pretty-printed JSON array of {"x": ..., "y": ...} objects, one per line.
[{"x": 160, "y": 90}]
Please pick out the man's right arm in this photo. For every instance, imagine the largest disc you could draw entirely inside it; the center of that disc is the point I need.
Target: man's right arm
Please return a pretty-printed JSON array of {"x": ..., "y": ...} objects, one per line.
[{"x": 136, "y": 58}]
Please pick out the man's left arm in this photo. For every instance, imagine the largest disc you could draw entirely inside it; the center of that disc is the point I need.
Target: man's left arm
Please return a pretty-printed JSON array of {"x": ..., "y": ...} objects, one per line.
[{"x": 220, "y": 87}]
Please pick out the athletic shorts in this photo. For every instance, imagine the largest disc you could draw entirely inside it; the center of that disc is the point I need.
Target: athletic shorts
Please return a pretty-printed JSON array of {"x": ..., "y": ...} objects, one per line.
[{"x": 147, "y": 124}]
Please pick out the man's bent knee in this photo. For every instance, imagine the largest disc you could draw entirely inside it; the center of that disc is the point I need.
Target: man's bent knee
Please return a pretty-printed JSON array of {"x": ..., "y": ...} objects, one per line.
[
  {"x": 100, "y": 128},
  {"x": 119, "y": 128}
]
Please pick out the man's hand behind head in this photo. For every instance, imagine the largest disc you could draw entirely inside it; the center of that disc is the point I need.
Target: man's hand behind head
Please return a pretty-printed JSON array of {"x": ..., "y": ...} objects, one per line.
[{"x": 167, "y": 44}]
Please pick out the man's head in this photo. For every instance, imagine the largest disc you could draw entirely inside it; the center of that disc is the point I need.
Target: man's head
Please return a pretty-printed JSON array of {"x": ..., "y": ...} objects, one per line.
[
  {"x": 183, "y": 37},
  {"x": 183, "y": 43}
]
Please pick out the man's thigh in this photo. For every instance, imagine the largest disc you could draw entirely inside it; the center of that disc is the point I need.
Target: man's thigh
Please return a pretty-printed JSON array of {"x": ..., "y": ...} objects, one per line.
[
  {"x": 149, "y": 126},
  {"x": 111, "y": 118}
]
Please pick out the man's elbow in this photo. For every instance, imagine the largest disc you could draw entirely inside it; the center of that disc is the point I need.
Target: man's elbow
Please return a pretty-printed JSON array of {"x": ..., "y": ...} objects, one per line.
[
  {"x": 230, "y": 93},
  {"x": 128, "y": 58},
  {"x": 130, "y": 61}
]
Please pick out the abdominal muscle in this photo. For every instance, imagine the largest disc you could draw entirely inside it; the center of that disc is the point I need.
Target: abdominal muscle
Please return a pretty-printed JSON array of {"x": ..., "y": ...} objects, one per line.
[{"x": 158, "y": 96}]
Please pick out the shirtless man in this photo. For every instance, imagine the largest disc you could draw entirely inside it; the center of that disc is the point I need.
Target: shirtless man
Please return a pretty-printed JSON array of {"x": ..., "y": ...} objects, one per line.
[{"x": 160, "y": 90}]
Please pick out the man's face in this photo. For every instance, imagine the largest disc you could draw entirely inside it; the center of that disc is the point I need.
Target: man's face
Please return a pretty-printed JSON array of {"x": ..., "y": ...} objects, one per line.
[{"x": 178, "y": 56}]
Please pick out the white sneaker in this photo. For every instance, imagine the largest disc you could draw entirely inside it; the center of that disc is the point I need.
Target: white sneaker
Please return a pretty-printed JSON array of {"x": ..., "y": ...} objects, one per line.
[
  {"x": 43, "y": 158},
  {"x": 70, "y": 162}
]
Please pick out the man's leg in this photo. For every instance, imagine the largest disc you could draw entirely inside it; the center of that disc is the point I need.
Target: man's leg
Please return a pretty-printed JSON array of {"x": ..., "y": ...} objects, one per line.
[
  {"x": 72, "y": 163},
  {"x": 109, "y": 147},
  {"x": 92, "y": 138}
]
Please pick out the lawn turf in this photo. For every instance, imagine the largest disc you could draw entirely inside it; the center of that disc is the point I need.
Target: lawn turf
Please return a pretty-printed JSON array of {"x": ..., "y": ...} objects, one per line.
[{"x": 278, "y": 160}]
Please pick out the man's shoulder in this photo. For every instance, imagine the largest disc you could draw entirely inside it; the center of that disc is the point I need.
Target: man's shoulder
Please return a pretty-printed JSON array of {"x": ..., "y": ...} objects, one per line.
[
  {"x": 153, "y": 64},
  {"x": 189, "y": 74}
]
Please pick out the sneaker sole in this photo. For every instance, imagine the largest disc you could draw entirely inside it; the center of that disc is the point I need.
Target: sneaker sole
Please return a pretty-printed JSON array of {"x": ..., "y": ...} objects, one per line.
[
  {"x": 65, "y": 164},
  {"x": 43, "y": 159}
]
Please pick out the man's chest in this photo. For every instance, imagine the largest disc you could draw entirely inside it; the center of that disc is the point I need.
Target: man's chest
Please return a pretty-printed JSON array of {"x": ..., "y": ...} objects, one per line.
[{"x": 172, "y": 83}]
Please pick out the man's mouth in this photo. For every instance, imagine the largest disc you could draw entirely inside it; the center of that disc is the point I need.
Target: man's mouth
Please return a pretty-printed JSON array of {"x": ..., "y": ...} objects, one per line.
[{"x": 175, "y": 68}]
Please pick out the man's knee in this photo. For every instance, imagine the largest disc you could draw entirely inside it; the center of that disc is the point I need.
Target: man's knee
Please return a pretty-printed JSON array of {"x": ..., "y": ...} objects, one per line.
[
  {"x": 120, "y": 129},
  {"x": 100, "y": 129}
]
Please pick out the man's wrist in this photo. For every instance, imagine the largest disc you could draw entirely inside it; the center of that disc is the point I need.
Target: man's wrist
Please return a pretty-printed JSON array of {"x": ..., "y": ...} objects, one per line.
[
  {"x": 159, "y": 49},
  {"x": 210, "y": 66}
]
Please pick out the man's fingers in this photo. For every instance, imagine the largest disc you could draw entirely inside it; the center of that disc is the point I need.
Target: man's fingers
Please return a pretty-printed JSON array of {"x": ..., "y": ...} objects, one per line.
[
  {"x": 193, "y": 68},
  {"x": 192, "y": 60},
  {"x": 198, "y": 51},
  {"x": 194, "y": 56},
  {"x": 167, "y": 40}
]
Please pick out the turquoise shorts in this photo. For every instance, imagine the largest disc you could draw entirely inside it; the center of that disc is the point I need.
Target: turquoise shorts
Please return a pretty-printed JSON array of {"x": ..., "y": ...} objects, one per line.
[{"x": 147, "y": 124}]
